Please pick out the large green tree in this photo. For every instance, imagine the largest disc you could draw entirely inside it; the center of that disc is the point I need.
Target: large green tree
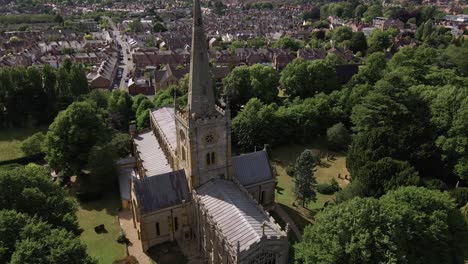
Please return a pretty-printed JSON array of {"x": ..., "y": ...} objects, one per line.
[
  {"x": 304, "y": 178},
  {"x": 409, "y": 225},
  {"x": 72, "y": 135},
  {"x": 338, "y": 137},
  {"x": 246, "y": 82},
  {"x": 379, "y": 177},
  {"x": 24, "y": 239},
  {"x": 120, "y": 109},
  {"x": 255, "y": 125},
  {"x": 455, "y": 143},
  {"x": 379, "y": 41},
  {"x": 29, "y": 190},
  {"x": 308, "y": 78}
]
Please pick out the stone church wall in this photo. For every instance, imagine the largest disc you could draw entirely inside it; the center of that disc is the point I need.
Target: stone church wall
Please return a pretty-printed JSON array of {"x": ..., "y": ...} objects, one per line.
[
  {"x": 268, "y": 189},
  {"x": 173, "y": 224}
]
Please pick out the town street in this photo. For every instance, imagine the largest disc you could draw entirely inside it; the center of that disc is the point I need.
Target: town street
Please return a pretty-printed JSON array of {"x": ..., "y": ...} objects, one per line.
[{"x": 125, "y": 51}]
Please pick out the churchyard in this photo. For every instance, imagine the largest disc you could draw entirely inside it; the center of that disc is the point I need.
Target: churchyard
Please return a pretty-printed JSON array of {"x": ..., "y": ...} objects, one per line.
[
  {"x": 102, "y": 246},
  {"x": 284, "y": 157},
  {"x": 10, "y": 141}
]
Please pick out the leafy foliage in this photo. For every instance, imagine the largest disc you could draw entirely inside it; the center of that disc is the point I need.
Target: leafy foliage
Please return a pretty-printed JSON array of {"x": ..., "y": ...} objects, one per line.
[
  {"x": 338, "y": 137},
  {"x": 304, "y": 179},
  {"x": 308, "y": 78},
  {"x": 34, "y": 144},
  {"x": 31, "y": 97},
  {"x": 246, "y": 82},
  {"x": 28, "y": 240},
  {"x": 29, "y": 190},
  {"x": 72, "y": 135},
  {"x": 409, "y": 225}
]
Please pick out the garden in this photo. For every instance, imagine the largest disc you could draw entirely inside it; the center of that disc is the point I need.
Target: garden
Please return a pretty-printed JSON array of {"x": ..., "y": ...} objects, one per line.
[
  {"x": 283, "y": 159},
  {"x": 103, "y": 245}
]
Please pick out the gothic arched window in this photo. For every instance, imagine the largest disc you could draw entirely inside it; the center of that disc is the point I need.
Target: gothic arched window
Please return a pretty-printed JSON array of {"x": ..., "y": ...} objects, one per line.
[
  {"x": 210, "y": 158},
  {"x": 213, "y": 161}
]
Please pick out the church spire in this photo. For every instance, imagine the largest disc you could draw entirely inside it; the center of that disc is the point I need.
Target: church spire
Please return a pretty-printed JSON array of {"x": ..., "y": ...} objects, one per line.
[{"x": 201, "y": 100}]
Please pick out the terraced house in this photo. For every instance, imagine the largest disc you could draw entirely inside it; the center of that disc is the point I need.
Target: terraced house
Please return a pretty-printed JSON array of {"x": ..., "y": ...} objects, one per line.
[{"x": 186, "y": 185}]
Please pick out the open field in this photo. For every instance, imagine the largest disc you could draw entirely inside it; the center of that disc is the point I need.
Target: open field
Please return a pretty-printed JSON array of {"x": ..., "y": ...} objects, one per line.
[
  {"x": 10, "y": 141},
  {"x": 286, "y": 156},
  {"x": 104, "y": 246}
]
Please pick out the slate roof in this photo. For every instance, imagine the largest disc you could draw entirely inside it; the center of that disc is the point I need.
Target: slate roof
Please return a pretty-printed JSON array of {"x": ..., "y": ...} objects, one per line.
[
  {"x": 165, "y": 118},
  {"x": 161, "y": 191},
  {"x": 237, "y": 215},
  {"x": 252, "y": 168},
  {"x": 151, "y": 155}
]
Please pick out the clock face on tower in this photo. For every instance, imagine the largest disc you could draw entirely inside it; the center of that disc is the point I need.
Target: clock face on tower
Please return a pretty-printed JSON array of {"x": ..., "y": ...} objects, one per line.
[{"x": 210, "y": 137}]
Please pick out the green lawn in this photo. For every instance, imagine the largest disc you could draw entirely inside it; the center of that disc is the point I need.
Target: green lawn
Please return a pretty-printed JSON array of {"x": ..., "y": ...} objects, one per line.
[
  {"x": 10, "y": 141},
  {"x": 104, "y": 246},
  {"x": 285, "y": 156}
]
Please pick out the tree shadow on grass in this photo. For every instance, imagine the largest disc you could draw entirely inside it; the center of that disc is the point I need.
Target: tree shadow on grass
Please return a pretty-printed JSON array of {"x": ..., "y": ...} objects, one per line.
[
  {"x": 109, "y": 201},
  {"x": 167, "y": 253}
]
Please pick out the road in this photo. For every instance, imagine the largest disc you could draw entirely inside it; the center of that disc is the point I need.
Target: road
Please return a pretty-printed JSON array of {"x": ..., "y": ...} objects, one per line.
[{"x": 127, "y": 63}]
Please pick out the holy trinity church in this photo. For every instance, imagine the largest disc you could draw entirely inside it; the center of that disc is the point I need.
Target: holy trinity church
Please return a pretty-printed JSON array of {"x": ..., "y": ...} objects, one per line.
[{"x": 186, "y": 186}]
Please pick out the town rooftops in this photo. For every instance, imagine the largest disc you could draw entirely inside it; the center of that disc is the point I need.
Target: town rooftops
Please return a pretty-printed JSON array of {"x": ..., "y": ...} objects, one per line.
[
  {"x": 237, "y": 216},
  {"x": 162, "y": 191},
  {"x": 252, "y": 168},
  {"x": 151, "y": 155}
]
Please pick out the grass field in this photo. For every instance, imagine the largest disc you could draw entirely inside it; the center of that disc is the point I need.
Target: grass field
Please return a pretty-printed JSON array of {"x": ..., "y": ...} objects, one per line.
[
  {"x": 10, "y": 141},
  {"x": 104, "y": 246},
  {"x": 286, "y": 156}
]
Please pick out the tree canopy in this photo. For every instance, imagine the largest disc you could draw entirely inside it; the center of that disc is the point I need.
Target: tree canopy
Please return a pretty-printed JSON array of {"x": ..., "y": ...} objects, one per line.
[
  {"x": 246, "y": 82},
  {"x": 408, "y": 225},
  {"x": 308, "y": 78},
  {"x": 304, "y": 178},
  {"x": 72, "y": 135},
  {"x": 29, "y": 190}
]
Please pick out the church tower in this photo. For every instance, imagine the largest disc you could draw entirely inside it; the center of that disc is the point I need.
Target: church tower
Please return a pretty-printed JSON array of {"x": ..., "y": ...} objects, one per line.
[{"x": 203, "y": 128}]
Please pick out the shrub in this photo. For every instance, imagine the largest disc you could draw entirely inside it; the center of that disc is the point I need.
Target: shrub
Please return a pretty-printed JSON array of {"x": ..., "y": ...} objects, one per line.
[
  {"x": 34, "y": 144},
  {"x": 328, "y": 188},
  {"x": 436, "y": 184},
  {"x": 122, "y": 238},
  {"x": 460, "y": 195},
  {"x": 338, "y": 137},
  {"x": 290, "y": 170}
]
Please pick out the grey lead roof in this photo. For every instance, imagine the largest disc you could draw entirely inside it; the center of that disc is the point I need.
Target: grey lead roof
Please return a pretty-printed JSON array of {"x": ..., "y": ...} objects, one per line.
[
  {"x": 161, "y": 191},
  {"x": 152, "y": 156},
  {"x": 165, "y": 118},
  {"x": 125, "y": 175},
  {"x": 252, "y": 168},
  {"x": 236, "y": 214}
]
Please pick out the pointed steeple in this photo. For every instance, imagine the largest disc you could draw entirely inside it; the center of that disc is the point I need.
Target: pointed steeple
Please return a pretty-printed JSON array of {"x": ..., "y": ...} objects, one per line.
[{"x": 201, "y": 100}]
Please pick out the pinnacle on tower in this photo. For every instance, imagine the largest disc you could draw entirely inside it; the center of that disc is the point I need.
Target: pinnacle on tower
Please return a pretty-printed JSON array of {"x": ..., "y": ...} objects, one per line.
[{"x": 201, "y": 100}]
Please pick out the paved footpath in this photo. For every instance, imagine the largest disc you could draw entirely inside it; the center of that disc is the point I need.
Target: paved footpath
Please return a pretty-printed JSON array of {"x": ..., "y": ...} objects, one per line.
[
  {"x": 279, "y": 210},
  {"x": 134, "y": 247}
]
